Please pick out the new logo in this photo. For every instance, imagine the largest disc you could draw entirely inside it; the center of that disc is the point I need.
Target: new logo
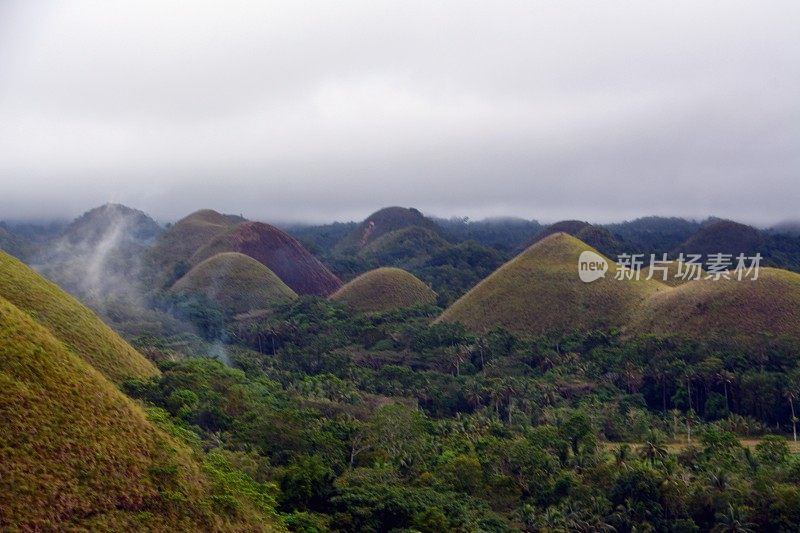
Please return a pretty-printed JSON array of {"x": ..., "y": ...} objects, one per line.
[{"x": 591, "y": 266}]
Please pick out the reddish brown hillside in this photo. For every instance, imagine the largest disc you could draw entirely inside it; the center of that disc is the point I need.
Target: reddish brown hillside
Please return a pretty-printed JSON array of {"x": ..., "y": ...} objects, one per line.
[{"x": 279, "y": 252}]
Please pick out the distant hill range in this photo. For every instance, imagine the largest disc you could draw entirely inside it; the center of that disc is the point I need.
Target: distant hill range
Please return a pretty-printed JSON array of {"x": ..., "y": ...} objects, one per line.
[{"x": 116, "y": 250}]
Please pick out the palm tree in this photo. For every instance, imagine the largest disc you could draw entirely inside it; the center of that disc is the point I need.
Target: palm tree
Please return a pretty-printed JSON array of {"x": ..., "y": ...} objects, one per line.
[
  {"x": 732, "y": 522},
  {"x": 653, "y": 451},
  {"x": 791, "y": 393},
  {"x": 622, "y": 456},
  {"x": 719, "y": 480},
  {"x": 473, "y": 395}
]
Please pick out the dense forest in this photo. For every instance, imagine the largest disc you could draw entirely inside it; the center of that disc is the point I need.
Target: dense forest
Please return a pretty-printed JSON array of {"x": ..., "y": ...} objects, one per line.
[{"x": 385, "y": 422}]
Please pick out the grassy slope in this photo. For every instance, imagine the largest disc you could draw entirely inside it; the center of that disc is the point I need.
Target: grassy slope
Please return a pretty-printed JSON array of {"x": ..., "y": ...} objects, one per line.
[
  {"x": 70, "y": 322},
  {"x": 278, "y": 251},
  {"x": 539, "y": 291},
  {"x": 189, "y": 234},
  {"x": 727, "y": 308},
  {"x": 75, "y": 453},
  {"x": 236, "y": 282},
  {"x": 383, "y": 289}
]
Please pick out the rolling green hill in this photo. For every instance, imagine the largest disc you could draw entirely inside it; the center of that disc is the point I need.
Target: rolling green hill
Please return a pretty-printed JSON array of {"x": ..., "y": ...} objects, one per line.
[
  {"x": 383, "y": 289},
  {"x": 236, "y": 282},
  {"x": 731, "y": 308},
  {"x": 70, "y": 322},
  {"x": 539, "y": 291}
]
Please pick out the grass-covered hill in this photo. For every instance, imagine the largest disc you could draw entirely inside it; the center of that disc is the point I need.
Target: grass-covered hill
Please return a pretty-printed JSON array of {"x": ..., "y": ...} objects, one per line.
[
  {"x": 175, "y": 246},
  {"x": 539, "y": 291},
  {"x": 70, "y": 322},
  {"x": 384, "y": 289},
  {"x": 235, "y": 282},
  {"x": 381, "y": 222},
  {"x": 729, "y": 308},
  {"x": 280, "y": 252},
  {"x": 76, "y": 454}
]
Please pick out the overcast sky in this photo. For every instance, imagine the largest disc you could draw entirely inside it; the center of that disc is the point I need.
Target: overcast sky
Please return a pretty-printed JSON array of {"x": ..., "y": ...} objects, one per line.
[{"x": 320, "y": 111}]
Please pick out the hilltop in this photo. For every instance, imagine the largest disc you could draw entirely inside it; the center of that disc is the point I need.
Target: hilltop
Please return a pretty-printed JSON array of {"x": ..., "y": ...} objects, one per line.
[
  {"x": 70, "y": 322},
  {"x": 278, "y": 251},
  {"x": 539, "y": 291},
  {"x": 175, "y": 246},
  {"x": 726, "y": 308},
  {"x": 381, "y": 222},
  {"x": 383, "y": 289},
  {"x": 235, "y": 282}
]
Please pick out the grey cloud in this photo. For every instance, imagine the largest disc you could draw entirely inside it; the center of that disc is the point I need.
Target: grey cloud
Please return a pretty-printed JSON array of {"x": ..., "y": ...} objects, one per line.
[{"x": 320, "y": 111}]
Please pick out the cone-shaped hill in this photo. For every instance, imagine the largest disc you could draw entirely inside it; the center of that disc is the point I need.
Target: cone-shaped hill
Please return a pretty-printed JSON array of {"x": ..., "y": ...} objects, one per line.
[
  {"x": 70, "y": 322},
  {"x": 278, "y": 251},
  {"x": 78, "y": 455},
  {"x": 382, "y": 222},
  {"x": 540, "y": 291},
  {"x": 188, "y": 235},
  {"x": 384, "y": 289},
  {"x": 729, "y": 308},
  {"x": 236, "y": 282}
]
